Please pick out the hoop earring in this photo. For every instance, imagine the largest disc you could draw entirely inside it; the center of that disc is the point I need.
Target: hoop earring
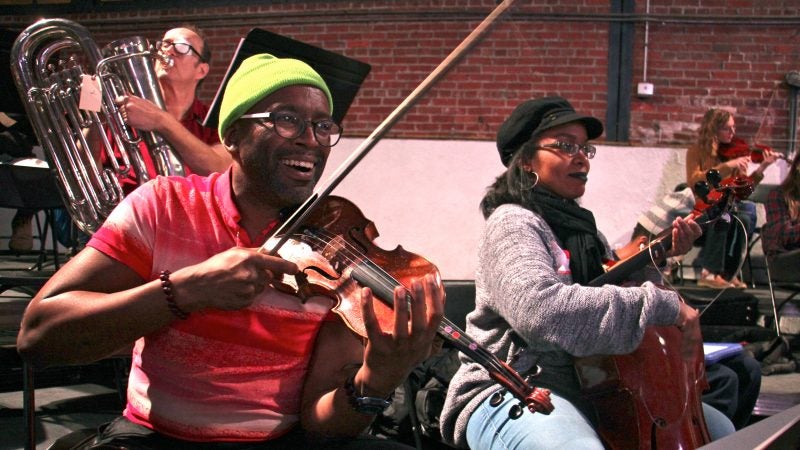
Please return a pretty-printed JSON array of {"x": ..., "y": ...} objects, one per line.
[{"x": 533, "y": 173}]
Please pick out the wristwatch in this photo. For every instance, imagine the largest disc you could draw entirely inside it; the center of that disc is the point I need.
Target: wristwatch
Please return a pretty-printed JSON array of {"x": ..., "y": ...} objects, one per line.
[{"x": 365, "y": 405}]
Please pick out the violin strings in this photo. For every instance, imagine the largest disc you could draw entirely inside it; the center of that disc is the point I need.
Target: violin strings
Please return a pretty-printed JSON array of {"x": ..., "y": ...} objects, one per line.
[{"x": 352, "y": 255}]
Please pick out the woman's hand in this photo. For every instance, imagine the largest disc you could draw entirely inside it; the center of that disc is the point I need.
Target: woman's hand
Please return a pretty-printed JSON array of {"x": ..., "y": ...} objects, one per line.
[
  {"x": 738, "y": 166},
  {"x": 689, "y": 323},
  {"x": 684, "y": 233}
]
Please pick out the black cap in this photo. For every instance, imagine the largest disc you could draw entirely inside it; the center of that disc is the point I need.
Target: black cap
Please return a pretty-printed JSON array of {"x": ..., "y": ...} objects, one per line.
[{"x": 534, "y": 116}]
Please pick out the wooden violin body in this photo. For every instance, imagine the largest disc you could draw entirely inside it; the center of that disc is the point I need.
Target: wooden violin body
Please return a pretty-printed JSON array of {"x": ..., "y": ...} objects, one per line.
[
  {"x": 738, "y": 147},
  {"x": 337, "y": 256}
]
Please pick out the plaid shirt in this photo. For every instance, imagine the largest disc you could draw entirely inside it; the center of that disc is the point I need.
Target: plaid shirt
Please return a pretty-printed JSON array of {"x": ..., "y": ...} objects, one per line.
[{"x": 780, "y": 233}]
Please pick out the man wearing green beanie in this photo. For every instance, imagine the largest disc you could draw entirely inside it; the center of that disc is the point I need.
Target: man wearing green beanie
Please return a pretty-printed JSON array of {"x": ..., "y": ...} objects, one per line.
[
  {"x": 221, "y": 356},
  {"x": 259, "y": 76}
]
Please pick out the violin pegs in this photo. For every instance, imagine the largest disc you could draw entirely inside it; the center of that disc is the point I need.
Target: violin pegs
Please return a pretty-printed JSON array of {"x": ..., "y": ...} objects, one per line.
[
  {"x": 701, "y": 189},
  {"x": 714, "y": 178},
  {"x": 516, "y": 411},
  {"x": 497, "y": 398}
]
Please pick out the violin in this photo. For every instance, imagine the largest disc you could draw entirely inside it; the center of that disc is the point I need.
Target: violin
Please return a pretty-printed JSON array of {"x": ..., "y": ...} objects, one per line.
[
  {"x": 335, "y": 252},
  {"x": 652, "y": 398},
  {"x": 738, "y": 147}
]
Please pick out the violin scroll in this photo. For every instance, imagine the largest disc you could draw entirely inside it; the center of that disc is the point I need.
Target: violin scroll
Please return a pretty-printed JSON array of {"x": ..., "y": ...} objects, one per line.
[
  {"x": 534, "y": 399},
  {"x": 724, "y": 192}
]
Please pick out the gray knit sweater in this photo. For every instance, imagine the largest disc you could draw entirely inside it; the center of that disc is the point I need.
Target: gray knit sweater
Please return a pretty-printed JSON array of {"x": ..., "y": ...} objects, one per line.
[{"x": 526, "y": 289}]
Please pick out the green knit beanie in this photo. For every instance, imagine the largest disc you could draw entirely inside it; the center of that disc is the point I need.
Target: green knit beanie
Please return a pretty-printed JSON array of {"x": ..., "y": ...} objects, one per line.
[{"x": 259, "y": 76}]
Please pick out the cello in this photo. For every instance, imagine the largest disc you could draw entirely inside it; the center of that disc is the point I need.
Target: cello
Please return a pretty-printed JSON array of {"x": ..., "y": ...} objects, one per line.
[{"x": 651, "y": 398}]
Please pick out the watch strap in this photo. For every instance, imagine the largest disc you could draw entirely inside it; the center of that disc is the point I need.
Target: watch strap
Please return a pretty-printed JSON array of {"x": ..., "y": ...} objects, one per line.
[{"x": 364, "y": 404}]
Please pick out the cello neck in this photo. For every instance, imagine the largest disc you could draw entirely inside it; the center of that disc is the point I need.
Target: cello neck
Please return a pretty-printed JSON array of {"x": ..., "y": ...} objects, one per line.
[{"x": 655, "y": 251}]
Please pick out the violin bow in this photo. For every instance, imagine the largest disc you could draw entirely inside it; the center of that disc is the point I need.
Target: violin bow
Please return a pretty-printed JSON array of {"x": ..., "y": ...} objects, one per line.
[
  {"x": 284, "y": 232},
  {"x": 535, "y": 399}
]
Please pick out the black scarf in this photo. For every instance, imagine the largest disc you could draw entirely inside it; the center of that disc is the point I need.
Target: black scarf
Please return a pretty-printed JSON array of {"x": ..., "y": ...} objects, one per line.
[{"x": 576, "y": 229}]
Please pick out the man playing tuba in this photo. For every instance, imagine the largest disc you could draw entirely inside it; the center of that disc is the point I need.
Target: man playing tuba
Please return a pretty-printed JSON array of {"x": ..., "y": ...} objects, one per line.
[{"x": 181, "y": 123}]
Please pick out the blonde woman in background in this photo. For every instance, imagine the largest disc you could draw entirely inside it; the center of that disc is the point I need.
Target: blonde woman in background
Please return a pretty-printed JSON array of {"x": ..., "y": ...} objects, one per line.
[{"x": 722, "y": 252}]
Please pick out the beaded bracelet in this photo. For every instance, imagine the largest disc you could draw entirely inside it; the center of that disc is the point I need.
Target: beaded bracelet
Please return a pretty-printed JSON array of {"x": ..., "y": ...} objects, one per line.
[{"x": 166, "y": 286}]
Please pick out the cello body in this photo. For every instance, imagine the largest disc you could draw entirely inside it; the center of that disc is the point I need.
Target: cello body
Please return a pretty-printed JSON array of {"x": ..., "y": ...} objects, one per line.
[{"x": 650, "y": 398}]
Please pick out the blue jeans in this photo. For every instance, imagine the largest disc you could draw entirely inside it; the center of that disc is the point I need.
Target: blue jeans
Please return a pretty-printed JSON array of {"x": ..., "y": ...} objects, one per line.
[
  {"x": 734, "y": 386},
  {"x": 724, "y": 243},
  {"x": 565, "y": 428}
]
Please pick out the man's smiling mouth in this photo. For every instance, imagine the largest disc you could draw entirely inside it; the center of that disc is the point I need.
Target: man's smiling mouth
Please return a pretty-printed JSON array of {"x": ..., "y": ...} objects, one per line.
[{"x": 300, "y": 166}]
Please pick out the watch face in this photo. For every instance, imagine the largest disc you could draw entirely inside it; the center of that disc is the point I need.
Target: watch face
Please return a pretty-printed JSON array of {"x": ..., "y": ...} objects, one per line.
[{"x": 371, "y": 405}]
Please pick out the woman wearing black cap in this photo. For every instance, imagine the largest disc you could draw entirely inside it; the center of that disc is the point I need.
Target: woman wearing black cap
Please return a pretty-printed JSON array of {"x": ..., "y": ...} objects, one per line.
[{"x": 538, "y": 248}]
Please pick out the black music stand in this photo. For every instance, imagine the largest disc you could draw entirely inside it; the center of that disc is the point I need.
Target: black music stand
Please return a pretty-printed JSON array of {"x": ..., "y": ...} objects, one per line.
[
  {"x": 343, "y": 75},
  {"x": 35, "y": 188}
]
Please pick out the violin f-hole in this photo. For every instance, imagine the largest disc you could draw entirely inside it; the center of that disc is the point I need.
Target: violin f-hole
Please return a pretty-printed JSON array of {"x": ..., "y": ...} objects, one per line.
[{"x": 306, "y": 290}]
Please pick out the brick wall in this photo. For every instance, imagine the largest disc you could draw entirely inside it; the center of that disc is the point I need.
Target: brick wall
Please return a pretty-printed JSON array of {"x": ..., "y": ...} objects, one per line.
[{"x": 699, "y": 55}]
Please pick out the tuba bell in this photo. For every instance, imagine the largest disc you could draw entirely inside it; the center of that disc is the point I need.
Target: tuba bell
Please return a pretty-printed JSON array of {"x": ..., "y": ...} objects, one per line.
[{"x": 58, "y": 69}]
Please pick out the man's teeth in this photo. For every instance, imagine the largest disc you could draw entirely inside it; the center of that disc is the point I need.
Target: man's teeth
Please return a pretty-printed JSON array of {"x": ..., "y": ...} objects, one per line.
[{"x": 304, "y": 165}]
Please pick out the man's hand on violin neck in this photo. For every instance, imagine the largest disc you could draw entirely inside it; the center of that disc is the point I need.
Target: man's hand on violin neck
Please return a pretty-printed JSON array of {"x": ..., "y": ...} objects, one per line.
[{"x": 390, "y": 355}]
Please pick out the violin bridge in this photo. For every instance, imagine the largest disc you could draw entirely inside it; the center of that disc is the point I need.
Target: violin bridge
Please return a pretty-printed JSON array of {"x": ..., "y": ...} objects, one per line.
[{"x": 333, "y": 250}]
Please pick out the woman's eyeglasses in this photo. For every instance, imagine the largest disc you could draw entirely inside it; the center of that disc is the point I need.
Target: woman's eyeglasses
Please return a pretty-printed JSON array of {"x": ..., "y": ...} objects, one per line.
[
  {"x": 181, "y": 48},
  {"x": 289, "y": 126},
  {"x": 571, "y": 149}
]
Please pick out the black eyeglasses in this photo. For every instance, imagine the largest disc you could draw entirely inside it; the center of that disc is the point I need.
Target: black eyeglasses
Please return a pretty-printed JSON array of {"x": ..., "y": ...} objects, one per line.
[
  {"x": 571, "y": 149},
  {"x": 289, "y": 126},
  {"x": 181, "y": 48}
]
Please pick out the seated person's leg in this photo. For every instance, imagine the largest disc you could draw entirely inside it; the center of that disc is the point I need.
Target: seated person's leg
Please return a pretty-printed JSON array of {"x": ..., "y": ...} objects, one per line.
[
  {"x": 749, "y": 215},
  {"x": 718, "y": 425},
  {"x": 712, "y": 256},
  {"x": 565, "y": 428},
  {"x": 723, "y": 391},
  {"x": 741, "y": 228},
  {"x": 22, "y": 231},
  {"x": 748, "y": 371}
]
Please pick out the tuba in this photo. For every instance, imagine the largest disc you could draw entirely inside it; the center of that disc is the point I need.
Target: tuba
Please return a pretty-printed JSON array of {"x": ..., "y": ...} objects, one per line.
[{"x": 58, "y": 70}]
